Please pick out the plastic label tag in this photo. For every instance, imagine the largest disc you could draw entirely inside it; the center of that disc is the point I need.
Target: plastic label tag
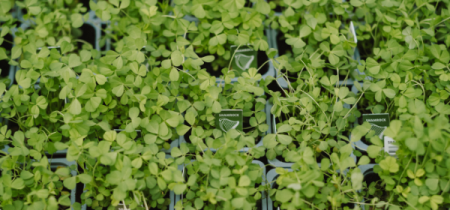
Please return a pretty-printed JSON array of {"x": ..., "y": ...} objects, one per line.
[
  {"x": 389, "y": 146},
  {"x": 120, "y": 206},
  {"x": 353, "y": 31},
  {"x": 244, "y": 58},
  {"x": 229, "y": 119},
  {"x": 379, "y": 122}
]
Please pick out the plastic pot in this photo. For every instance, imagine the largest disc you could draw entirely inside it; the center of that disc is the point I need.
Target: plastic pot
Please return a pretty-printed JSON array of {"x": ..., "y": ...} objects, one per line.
[
  {"x": 7, "y": 71},
  {"x": 279, "y": 163},
  {"x": 268, "y": 106},
  {"x": 58, "y": 162},
  {"x": 279, "y": 44},
  {"x": 264, "y": 197}
]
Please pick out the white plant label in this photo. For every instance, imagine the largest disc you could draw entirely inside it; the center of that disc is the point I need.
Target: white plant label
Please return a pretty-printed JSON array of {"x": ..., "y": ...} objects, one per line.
[{"x": 389, "y": 146}]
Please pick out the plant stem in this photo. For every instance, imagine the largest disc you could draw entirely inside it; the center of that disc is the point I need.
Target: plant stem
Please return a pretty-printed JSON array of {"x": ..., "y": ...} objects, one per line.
[
  {"x": 145, "y": 202},
  {"x": 354, "y": 105},
  {"x": 263, "y": 65},
  {"x": 406, "y": 167},
  {"x": 232, "y": 57}
]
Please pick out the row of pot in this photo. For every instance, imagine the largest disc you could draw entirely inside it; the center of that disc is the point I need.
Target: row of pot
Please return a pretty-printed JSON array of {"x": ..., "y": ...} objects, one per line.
[
  {"x": 96, "y": 32},
  {"x": 268, "y": 177},
  {"x": 270, "y": 120}
]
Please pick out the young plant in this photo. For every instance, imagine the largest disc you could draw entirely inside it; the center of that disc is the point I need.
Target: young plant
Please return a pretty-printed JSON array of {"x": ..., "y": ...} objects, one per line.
[
  {"x": 206, "y": 101},
  {"x": 225, "y": 179},
  {"x": 315, "y": 113},
  {"x": 393, "y": 47},
  {"x": 128, "y": 170},
  {"x": 378, "y": 24},
  {"x": 315, "y": 35},
  {"x": 52, "y": 23},
  {"x": 119, "y": 91},
  {"x": 223, "y": 24},
  {"x": 417, "y": 177},
  {"x": 329, "y": 185},
  {"x": 28, "y": 177}
]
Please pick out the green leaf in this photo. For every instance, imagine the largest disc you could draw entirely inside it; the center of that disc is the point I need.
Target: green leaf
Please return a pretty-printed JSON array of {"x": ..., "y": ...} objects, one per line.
[
  {"x": 177, "y": 58},
  {"x": 25, "y": 64},
  {"x": 296, "y": 42},
  {"x": 198, "y": 11},
  {"x": 161, "y": 183},
  {"x": 360, "y": 131},
  {"x": 63, "y": 172},
  {"x": 124, "y": 4},
  {"x": 179, "y": 188},
  {"x": 389, "y": 164},
  {"x": 18, "y": 184},
  {"x": 174, "y": 74},
  {"x": 100, "y": 79},
  {"x": 74, "y": 60},
  {"x": 137, "y": 162},
  {"x": 208, "y": 59},
  {"x": 133, "y": 112},
  {"x": 432, "y": 183},
  {"x": 190, "y": 117},
  {"x": 244, "y": 181},
  {"x": 41, "y": 101},
  {"x": 283, "y": 196},
  {"x": 372, "y": 66},
  {"x": 3, "y": 55},
  {"x": 263, "y": 7},
  {"x": 153, "y": 168},
  {"x": 42, "y": 193},
  {"x": 325, "y": 164},
  {"x": 393, "y": 129},
  {"x": 334, "y": 60},
  {"x": 216, "y": 108},
  {"x": 118, "y": 91},
  {"x": 163, "y": 129},
  {"x": 238, "y": 203},
  {"x": 182, "y": 129},
  {"x": 305, "y": 31},
  {"x": 25, "y": 83},
  {"x": 373, "y": 151},
  {"x": 94, "y": 102},
  {"x": 435, "y": 200},
  {"x": 312, "y": 22},
  {"x": 363, "y": 160},
  {"x": 5, "y": 6},
  {"x": 357, "y": 179},
  {"x": 77, "y": 20},
  {"x": 356, "y": 3},
  {"x": 85, "y": 178},
  {"x": 110, "y": 135},
  {"x": 119, "y": 194},
  {"x": 85, "y": 55},
  {"x": 334, "y": 39},
  {"x": 234, "y": 5},
  {"x": 284, "y": 128},
  {"x": 389, "y": 93},
  {"x": 284, "y": 139},
  {"x": 65, "y": 47},
  {"x": 26, "y": 175},
  {"x": 438, "y": 65},
  {"x": 199, "y": 203},
  {"x": 218, "y": 39},
  {"x": 75, "y": 107},
  {"x": 412, "y": 143},
  {"x": 16, "y": 51},
  {"x": 70, "y": 183},
  {"x": 175, "y": 152}
]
